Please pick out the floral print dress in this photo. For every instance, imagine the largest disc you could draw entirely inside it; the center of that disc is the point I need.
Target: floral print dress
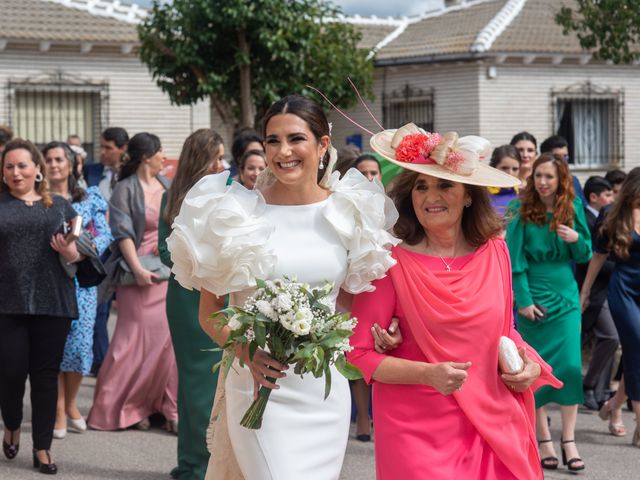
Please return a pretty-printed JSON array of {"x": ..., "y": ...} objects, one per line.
[{"x": 78, "y": 350}]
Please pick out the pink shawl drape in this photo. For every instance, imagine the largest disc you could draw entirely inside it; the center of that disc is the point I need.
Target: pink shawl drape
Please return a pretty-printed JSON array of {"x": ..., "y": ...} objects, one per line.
[{"x": 459, "y": 316}]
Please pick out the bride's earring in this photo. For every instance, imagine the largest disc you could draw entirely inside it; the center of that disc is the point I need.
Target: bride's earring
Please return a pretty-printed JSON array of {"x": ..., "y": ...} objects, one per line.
[
  {"x": 321, "y": 166},
  {"x": 39, "y": 177}
]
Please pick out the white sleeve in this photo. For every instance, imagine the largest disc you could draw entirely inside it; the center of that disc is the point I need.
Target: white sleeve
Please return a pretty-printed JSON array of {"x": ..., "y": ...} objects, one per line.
[
  {"x": 219, "y": 238},
  {"x": 363, "y": 216}
]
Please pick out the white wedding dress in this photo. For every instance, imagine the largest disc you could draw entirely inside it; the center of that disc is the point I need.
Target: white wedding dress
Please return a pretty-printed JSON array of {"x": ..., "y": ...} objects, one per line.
[{"x": 223, "y": 239}]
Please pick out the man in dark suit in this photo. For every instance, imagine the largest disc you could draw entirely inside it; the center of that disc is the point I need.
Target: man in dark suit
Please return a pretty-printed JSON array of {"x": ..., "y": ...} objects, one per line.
[
  {"x": 596, "y": 319},
  {"x": 113, "y": 146}
]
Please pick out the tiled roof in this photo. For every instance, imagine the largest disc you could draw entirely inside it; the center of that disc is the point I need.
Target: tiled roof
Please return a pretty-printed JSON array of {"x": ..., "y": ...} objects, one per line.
[
  {"x": 66, "y": 21},
  {"x": 373, "y": 34},
  {"x": 446, "y": 32},
  {"x": 535, "y": 30},
  {"x": 473, "y": 27}
]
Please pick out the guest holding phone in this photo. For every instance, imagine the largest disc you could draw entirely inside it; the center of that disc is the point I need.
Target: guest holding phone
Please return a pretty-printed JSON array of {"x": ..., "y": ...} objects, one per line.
[
  {"x": 37, "y": 297},
  {"x": 546, "y": 232},
  {"x": 139, "y": 375}
]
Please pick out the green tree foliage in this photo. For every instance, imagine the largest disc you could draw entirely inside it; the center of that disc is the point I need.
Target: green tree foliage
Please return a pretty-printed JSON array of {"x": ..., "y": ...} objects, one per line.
[
  {"x": 611, "y": 27},
  {"x": 245, "y": 54}
]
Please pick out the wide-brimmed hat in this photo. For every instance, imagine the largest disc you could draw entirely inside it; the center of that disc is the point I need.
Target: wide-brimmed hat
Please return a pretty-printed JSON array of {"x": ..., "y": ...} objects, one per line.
[{"x": 446, "y": 156}]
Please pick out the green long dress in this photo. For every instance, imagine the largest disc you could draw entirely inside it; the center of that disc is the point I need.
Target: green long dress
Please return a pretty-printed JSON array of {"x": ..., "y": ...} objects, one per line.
[
  {"x": 543, "y": 273},
  {"x": 196, "y": 382}
]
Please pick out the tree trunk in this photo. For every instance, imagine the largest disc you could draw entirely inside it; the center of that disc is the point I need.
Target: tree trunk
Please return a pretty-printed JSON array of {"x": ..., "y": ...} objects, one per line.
[
  {"x": 225, "y": 111},
  {"x": 247, "y": 115}
]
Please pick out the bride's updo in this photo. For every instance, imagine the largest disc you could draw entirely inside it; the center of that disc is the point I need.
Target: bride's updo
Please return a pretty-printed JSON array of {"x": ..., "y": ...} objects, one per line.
[{"x": 307, "y": 110}]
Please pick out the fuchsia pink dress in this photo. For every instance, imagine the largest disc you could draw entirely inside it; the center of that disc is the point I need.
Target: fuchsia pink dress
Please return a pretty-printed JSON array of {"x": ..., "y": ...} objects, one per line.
[{"x": 484, "y": 431}]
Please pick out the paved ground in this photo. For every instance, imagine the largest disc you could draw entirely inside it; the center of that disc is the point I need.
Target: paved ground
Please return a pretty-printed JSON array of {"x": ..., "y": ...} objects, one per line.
[
  {"x": 150, "y": 455},
  {"x": 137, "y": 455}
]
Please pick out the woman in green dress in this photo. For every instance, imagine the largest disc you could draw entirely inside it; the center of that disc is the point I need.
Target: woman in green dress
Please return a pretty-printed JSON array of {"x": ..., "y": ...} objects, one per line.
[
  {"x": 201, "y": 155},
  {"x": 547, "y": 231}
]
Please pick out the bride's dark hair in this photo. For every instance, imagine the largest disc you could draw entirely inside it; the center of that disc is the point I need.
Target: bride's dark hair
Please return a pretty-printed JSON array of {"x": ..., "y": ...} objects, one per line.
[{"x": 307, "y": 110}]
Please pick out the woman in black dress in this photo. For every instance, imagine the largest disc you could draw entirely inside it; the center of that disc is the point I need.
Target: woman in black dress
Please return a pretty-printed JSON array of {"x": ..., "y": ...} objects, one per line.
[
  {"x": 619, "y": 235},
  {"x": 37, "y": 297}
]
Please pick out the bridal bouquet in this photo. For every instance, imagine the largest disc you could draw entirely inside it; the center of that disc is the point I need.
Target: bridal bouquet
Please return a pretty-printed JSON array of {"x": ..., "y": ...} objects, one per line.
[{"x": 295, "y": 324}]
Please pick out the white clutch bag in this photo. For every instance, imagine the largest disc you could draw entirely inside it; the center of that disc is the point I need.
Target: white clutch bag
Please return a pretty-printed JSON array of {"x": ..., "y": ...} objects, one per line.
[{"x": 509, "y": 359}]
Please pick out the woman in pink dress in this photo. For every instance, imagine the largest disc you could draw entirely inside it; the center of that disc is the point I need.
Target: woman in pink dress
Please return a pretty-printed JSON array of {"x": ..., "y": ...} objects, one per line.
[
  {"x": 442, "y": 408},
  {"x": 139, "y": 374}
]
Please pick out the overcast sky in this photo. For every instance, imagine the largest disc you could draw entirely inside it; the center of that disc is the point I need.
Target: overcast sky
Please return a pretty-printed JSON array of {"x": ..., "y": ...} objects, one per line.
[{"x": 381, "y": 8}]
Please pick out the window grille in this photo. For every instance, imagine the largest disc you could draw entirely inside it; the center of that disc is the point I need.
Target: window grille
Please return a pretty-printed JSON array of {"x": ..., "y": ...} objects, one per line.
[
  {"x": 406, "y": 105},
  {"x": 591, "y": 120},
  {"x": 52, "y": 107}
]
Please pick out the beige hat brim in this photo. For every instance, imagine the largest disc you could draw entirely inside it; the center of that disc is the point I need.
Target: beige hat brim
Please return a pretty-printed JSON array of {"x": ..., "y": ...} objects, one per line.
[{"x": 484, "y": 175}]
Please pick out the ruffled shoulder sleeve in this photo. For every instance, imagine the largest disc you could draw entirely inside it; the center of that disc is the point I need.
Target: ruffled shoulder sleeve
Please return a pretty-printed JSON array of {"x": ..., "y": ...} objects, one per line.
[
  {"x": 363, "y": 216},
  {"x": 219, "y": 238}
]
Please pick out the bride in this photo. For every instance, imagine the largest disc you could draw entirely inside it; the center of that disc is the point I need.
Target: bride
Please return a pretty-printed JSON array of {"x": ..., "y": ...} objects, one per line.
[{"x": 303, "y": 223}]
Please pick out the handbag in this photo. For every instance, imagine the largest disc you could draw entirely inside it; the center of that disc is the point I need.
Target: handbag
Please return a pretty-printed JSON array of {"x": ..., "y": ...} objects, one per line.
[
  {"x": 148, "y": 262},
  {"x": 509, "y": 359},
  {"x": 90, "y": 271}
]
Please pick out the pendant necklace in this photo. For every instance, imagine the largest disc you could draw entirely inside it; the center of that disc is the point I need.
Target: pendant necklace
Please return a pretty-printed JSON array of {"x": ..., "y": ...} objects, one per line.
[{"x": 447, "y": 266}]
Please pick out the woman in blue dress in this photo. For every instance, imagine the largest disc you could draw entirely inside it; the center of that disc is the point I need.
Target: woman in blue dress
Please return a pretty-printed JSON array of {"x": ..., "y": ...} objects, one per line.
[
  {"x": 619, "y": 227},
  {"x": 78, "y": 350}
]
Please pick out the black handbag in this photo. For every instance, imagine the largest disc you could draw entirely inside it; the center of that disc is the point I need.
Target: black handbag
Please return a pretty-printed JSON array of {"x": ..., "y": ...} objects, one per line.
[{"x": 91, "y": 270}]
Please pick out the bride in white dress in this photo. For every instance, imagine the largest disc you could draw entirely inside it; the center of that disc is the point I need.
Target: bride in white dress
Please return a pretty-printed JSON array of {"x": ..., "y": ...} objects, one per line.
[{"x": 226, "y": 236}]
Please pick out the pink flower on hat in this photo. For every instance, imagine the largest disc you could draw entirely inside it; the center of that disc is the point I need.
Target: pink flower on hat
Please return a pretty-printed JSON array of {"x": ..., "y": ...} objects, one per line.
[{"x": 416, "y": 148}]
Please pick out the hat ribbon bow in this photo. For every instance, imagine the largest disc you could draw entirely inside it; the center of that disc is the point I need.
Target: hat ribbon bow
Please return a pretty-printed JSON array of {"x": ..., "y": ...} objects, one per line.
[{"x": 460, "y": 155}]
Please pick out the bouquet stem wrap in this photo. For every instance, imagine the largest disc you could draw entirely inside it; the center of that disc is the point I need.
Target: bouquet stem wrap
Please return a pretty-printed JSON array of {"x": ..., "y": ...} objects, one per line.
[{"x": 253, "y": 417}]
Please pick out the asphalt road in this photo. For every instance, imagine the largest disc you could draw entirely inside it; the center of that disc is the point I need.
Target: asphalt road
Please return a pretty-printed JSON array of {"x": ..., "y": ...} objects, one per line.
[{"x": 137, "y": 455}]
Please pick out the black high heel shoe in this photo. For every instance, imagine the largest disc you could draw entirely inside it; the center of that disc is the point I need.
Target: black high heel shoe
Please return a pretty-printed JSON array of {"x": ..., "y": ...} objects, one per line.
[
  {"x": 10, "y": 449},
  {"x": 548, "y": 463},
  {"x": 572, "y": 461},
  {"x": 46, "y": 468}
]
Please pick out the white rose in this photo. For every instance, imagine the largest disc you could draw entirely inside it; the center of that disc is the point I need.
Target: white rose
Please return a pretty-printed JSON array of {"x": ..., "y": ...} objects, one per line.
[
  {"x": 265, "y": 308},
  {"x": 304, "y": 314},
  {"x": 301, "y": 327},
  {"x": 234, "y": 323},
  {"x": 283, "y": 302},
  {"x": 287, "y": 320}
]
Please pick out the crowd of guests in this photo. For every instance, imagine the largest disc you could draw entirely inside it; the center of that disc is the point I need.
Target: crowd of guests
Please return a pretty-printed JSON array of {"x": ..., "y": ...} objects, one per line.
[{"x": 563, "y": 257}]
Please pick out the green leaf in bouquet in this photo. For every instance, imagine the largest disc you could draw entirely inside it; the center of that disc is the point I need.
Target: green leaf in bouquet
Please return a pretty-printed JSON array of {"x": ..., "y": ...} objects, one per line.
[
  {"x": 318, "y": 357},
  {"x": 253, "y": 347},
  {"x": 327, "y": 380},
  {"x": 348, "y": 371},
  {"x": 224, "y": 364},
  {"x": 333, "y": 338},
  {"x": 300, "y": 367},
  {"x": 260, "y": 283},
  {"x": 261, "y": 333},
  {"x": 321, "y": 306},
  {"x": 221, "y": 316},
  {"x": 304, "y": 353}
]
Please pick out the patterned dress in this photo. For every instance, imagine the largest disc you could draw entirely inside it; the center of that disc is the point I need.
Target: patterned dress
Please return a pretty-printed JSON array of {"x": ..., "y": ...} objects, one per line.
[{"x": 78, "y": 350}]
